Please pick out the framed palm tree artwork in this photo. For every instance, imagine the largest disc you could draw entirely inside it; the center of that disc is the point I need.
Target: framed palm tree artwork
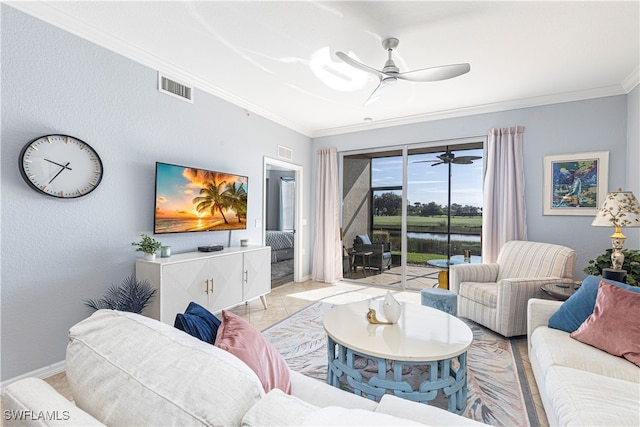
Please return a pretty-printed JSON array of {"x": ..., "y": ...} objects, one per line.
[
  {"x": 189, "y": 199},
  {"x": 575, "y": 184}
]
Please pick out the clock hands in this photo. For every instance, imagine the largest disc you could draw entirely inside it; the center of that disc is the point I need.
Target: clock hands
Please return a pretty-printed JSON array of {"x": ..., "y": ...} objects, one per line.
[{"x": 62, "y": 166}]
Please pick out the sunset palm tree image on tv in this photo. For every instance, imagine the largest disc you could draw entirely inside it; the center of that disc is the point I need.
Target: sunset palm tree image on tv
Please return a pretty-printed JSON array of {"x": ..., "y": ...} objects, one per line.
[{"x": 190, "y": 199}]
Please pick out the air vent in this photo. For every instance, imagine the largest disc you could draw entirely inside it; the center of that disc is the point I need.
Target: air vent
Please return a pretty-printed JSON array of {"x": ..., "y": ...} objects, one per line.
[
  {"x": 174, "y": 88},
  {"x": 285, "y": 153}
]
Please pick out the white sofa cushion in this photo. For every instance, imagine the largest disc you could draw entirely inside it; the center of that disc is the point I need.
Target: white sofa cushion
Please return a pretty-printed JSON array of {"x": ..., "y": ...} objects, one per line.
[
  {"x": 321, "y": 394},
  {"x": 277, "y": 408},
  {"x": 31, "y": 402},
  {"x": 280, "y": 409},
  {"x": 422, "y": 413},
  {"x": 337, "y": 416},
  {"x": 580, "y": 398},
  {"x": 126, "y": 369},
  {"x": 553, "y": 347}
]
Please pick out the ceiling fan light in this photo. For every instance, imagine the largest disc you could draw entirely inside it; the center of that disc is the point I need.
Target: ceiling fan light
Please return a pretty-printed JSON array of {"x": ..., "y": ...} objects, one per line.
[
  {"x": 336, "y": 75},
  {"x": 387, "y": 81}
]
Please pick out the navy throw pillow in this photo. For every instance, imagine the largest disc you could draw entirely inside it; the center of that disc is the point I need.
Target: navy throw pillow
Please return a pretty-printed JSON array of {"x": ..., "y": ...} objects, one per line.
[
  {"x": 198, "y": 322},
  {"x": 575, "y": 310}
]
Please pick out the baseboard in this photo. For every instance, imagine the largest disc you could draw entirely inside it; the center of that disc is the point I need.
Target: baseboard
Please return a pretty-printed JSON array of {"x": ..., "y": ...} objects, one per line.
[{"x": 41, "y": 373}]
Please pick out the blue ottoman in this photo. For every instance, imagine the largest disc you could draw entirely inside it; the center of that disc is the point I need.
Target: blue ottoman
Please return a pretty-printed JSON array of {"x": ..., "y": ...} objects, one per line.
[{"x": 442, "y": 299}]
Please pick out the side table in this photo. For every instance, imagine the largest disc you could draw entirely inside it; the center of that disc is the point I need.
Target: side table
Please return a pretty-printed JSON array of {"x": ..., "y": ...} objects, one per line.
[
  {"x": 365, "y": 261},
  {"x": 559, "y": 291}
]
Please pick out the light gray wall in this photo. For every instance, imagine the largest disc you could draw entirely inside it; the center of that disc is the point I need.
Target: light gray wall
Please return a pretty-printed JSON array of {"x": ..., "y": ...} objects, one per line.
[
  {"x": 58, "y": 253},
  {"x": 592, "y": 125},
  {"x": 633, "y": 159}
]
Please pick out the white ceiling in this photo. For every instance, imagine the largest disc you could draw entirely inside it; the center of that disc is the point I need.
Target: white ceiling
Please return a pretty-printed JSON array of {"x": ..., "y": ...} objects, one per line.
[{"x": 261, "y": 55}]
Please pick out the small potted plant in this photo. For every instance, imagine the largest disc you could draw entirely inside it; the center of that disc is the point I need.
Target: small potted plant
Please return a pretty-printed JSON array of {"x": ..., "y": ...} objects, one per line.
[
  {"x": 132, "y": 295},
  {"x": 148, "y": 245}
]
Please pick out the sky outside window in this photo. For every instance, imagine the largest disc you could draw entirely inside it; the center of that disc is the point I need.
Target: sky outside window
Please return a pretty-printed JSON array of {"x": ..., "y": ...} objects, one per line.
[{"x": 428, "y": 183}]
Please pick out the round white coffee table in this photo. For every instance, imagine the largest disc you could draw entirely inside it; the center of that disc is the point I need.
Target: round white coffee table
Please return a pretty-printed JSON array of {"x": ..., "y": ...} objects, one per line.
[{"x": 422, "y": 336}]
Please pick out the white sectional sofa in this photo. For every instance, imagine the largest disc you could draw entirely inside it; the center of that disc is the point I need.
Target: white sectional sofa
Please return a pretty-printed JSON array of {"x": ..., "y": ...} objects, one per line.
[
  {"x": 580, "y": 385},
  {"x": 126, "y": 369}
]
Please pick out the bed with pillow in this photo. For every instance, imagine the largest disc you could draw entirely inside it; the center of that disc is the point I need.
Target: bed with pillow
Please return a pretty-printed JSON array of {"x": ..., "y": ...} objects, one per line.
[
  {"x": 281, "y": 243},
  {"x": 585, "y": 354}
]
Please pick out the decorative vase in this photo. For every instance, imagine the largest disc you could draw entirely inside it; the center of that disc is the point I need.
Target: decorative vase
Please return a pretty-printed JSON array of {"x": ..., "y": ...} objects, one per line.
[
  {"x": 149, "y": 257},
  {"x": 391, "y": 308}
]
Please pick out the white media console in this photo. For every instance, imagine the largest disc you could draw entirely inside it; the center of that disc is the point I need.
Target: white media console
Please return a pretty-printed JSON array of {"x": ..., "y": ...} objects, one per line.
[{"x": 215, "y": 280}]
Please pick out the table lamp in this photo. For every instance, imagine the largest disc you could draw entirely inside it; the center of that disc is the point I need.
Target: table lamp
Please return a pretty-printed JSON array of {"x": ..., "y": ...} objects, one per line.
[{"x": 620, "y": 209}]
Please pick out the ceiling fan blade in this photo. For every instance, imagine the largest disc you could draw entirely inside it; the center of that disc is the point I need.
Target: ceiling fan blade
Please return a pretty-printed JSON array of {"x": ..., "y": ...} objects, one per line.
[
  {"x": 349, "y": 60},
  {"x": 384, "y": 83},
  {"x": 465, "y": 160},
  {"x": 439, "y": 163},
  {"x": 435, "y": 73}
]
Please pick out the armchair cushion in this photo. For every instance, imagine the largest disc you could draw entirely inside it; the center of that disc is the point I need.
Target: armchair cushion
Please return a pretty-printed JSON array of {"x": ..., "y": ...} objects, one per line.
[
  {"x": 484, "y": 293},
  {"x": 460, "y": 273},
  {"x": 363, "y": 238},
  {"x": 519, "y": 258}
]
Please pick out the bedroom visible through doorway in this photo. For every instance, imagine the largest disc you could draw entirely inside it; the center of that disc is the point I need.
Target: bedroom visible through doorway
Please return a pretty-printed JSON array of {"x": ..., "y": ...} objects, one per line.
[{"x": 280, "y": 219}]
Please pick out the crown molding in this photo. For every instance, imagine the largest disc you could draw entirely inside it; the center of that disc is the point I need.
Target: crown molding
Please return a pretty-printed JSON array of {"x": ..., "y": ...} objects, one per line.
[
  {"x": 478, "y": 109},
  {"x": 632, "y": 80},
  {"x": 48, "y": 13}
]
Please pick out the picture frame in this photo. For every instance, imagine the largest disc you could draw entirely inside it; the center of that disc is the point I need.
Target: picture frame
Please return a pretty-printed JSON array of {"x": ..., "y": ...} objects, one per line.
[{"x": 575, "y": 184}]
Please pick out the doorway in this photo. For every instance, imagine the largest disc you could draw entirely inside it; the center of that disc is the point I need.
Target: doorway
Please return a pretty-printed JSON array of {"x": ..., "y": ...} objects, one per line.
[{"x": 282, "y": 209}]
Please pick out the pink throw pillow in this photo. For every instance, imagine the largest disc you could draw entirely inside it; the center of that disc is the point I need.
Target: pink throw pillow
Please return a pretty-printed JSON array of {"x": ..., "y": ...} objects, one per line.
[
  {"x": 240, "y": 338},
  {"x": 613, "y": 326}
]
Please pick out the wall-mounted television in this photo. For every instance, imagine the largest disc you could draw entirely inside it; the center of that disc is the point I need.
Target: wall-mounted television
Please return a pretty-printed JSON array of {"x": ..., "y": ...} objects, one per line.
[{"x": 190, "y": 199}]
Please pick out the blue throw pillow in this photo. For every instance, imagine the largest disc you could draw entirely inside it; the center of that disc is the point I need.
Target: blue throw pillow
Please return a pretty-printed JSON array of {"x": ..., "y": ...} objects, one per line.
[
  {"x": 198, "y": 322},
  {"x": 575, "y": 310}
]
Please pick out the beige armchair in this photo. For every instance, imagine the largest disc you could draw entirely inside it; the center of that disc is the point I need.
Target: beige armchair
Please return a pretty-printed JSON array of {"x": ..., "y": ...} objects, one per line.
[{"x": 495, "y": 295}]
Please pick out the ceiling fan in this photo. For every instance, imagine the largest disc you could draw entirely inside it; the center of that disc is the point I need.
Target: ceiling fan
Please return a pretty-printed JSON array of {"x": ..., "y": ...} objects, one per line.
[
  {"x": 390, "y": 73},
  {"x": 448, "y": 158}
]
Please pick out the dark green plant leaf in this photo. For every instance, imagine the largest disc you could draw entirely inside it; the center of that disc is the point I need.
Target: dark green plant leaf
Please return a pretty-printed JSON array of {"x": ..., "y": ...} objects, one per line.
[
  {"x": 631, "y": 264},
  {"x": 132, "y": 295}
]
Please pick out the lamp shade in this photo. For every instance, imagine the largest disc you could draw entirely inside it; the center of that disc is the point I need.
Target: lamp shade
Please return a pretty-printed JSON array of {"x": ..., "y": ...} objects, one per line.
[{"x": 620, "y": 209}]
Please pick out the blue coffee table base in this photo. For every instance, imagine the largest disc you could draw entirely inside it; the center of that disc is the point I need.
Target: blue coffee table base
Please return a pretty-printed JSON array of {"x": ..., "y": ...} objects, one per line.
[{"x": 442, "y": 375}]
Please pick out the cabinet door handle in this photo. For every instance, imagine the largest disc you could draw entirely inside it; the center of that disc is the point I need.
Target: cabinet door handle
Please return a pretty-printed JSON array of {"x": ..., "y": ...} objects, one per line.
[
  {"x": 206, "y": 286},
  {"x": 246, "y": 276},
  {"x": 211, "y": 285}
]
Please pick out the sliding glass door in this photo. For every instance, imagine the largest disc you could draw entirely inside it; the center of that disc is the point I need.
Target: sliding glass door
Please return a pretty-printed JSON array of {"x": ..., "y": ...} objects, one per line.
[{"x": 425, "y": 201}]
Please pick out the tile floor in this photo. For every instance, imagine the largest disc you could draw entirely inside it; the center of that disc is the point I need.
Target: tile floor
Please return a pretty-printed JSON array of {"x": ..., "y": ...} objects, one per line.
[{"x": 287, "y": 299}]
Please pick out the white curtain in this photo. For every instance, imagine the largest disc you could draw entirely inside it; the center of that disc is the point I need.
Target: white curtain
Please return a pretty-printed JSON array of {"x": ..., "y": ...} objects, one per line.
[
  {"x": 327, "y": 250},
  {"x": 503, "y": 215},
  {"x": 287, "y": 203}
]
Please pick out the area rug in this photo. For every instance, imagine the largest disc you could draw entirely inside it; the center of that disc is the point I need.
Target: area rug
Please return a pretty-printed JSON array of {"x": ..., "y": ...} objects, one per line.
[{"x": 498, "y": 393}]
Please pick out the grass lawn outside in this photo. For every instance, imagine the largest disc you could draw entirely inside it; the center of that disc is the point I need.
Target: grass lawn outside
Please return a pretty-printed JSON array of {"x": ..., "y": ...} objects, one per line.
[{"x": 418, "y": 258}]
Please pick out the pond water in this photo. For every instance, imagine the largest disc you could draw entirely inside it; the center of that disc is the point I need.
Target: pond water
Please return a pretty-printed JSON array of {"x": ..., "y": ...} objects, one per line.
[{"x": 442, "y": 237}]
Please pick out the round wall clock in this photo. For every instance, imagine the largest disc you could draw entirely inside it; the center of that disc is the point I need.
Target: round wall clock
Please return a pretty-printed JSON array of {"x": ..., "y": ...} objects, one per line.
[{"x": 60, "y": 166}]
